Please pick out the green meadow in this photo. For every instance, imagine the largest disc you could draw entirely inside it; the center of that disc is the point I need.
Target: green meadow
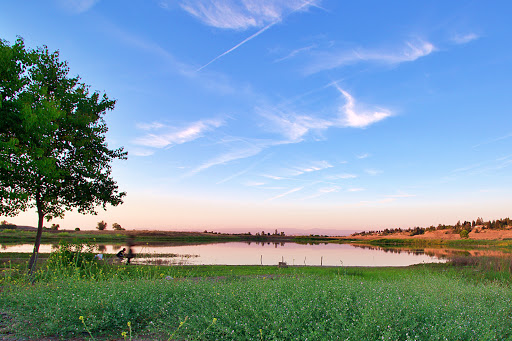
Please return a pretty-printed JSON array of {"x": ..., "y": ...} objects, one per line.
[{"x": 73, "y": 296}]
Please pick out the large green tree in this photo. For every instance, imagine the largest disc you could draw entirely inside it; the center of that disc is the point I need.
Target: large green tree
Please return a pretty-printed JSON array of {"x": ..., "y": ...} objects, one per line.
[{"x": 53, "y": 152}]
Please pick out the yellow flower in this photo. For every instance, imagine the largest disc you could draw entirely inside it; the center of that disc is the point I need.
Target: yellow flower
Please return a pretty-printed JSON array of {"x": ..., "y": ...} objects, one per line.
[
  {"x": 129, "y": 324},
  {"x": 81, "y": 318}
]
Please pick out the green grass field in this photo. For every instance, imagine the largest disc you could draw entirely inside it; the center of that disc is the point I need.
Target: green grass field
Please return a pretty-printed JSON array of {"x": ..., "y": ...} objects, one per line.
[{"x": 424, "y": 302}]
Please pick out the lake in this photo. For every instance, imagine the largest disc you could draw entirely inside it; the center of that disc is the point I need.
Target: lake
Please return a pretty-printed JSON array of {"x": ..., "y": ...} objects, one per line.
[{"x": 261, "y": 253}]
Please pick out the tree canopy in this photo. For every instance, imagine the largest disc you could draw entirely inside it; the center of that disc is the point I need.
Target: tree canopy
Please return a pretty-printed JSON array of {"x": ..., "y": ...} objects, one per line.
[{"x": 53, "y": 150}]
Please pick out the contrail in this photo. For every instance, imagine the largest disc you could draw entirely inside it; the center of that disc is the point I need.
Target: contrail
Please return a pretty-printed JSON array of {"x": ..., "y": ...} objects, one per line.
[
  {"x": 238, "y": 45},
  {"x": 307, "y": 3}
]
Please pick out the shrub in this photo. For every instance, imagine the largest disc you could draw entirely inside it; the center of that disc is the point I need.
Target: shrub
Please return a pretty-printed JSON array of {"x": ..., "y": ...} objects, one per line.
[
  {"x": 5, "y": 225},
  {"x": 117, "y": 227},
  {"x": 464, "y": 234},
  {"x": 55, "y": 227},
  {"x": 101, "y": 225},
  {"x": 74, "y": 254},
  {"x": 77, "y": 229}
]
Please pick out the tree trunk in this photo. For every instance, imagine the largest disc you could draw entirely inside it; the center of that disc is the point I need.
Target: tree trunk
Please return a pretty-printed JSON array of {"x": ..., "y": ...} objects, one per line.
[{"x": 33, "y": 259}]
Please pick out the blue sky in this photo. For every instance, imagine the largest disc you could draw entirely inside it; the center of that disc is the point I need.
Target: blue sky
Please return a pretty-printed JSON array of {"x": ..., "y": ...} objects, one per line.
[{"x": 292, "y": 114}]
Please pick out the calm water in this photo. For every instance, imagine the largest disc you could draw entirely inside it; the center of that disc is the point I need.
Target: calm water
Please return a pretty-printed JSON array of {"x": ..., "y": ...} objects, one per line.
[{"x": 239, "y": 253}]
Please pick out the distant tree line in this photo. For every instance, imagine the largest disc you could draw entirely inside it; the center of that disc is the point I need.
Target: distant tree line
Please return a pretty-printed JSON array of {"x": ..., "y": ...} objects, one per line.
[{"x": 461, "y": 228}]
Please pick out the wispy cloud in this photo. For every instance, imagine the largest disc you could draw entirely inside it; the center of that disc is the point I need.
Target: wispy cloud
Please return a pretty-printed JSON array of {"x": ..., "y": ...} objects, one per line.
[
  {"x": 342, "y": 176},
  {"x": 78, "y": 6},
  {"x": 323, "y": 191},
  {"x": 250, "y": 13},
  {"x": 363, "y": 156},
  {"x": 295, "y": 52},
  {"x": 231, "y": 177},
  {"x": 293, "y": 126},
  {"x": 150, "y": 126},
  {"x": 241, "y": 15},
  {"x": 493, "y": 140},
  {"x": 409, "y": 52},
  {"x": 286, "y": 193},
  {"x": 312, "y": 167},
  {"x": 254, "y": 184},
  {"x": 373, "y": 172},
  {"x": 464, "y": 38},
  {"x": 351, "y": 117},
  {"x": 238, "y": 45},
  {"x": 174, "y": 135},
  {"x": 355, "y": 189}
]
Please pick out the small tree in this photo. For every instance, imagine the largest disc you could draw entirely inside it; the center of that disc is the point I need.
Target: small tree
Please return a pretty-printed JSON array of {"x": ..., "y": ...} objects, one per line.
[
  {"x": 117, "y": 227},
  {"x": 101, "y": 225},
  {"x": 53, "y": 152},
  {"x": 55, "y": 227}
]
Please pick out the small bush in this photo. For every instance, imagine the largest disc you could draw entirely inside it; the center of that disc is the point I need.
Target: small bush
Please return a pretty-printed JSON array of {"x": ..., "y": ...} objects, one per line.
[
  {"x": 117, "y": 227},
  {"x": 77, "y": 229},
  {"x": 101, "y": 225},
  {"x": 55, "y": 227},
  {"x": 7, "y": 226}
]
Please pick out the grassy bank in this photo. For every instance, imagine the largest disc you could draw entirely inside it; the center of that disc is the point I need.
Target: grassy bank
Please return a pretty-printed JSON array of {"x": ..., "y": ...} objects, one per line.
[
  {"x": 426, "y": 302},
  {"x": 28, "y": 236},
  {"x": 447, "y": 243}
]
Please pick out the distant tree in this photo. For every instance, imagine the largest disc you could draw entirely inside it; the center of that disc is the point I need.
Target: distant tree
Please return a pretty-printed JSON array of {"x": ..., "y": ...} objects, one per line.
[
  {"x": 5, "y": 225},
  {"x": 117, "y": 227},
  {"x": 53, "y": 152},
  {"x": 55, "y": 227},
  {"x": 101, "y": 225},
  {"x": 77, "y": 229}
]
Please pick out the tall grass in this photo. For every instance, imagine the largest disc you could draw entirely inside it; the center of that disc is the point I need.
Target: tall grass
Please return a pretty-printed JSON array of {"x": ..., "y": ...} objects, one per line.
[{"x": 419, "y": 305}]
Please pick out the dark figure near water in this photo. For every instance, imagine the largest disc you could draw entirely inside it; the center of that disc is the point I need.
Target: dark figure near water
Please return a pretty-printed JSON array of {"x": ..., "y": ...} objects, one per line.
[
  {"x": 120, "y": 254},
  {"x": 129, "y": 254}
]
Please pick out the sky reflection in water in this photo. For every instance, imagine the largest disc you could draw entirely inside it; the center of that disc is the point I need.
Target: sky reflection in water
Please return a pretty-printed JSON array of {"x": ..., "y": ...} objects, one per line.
[{"x": 239, "y": 253}]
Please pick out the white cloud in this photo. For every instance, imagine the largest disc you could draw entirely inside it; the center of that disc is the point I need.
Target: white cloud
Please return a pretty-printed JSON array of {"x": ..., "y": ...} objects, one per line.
[
  {"x": 464, "y": 38},
  {"x": 341, "y": 176},
  {"x": 355, "y": 189},
  {"x": 373, "y": 172},
  {"x": 241, "y": 15},
  {"x": 293, "y": 126},
  {"x": 350, "y": 117},
  {"x": 363, "y": 156},
  {"x": 286, "y": 193},
  {"x": 230, "y": 14},
  {"x": 295, "y": 52},
  {"x": 323, "y": 191},
  {"x": 254, "y": 184},
  {"x": 150, "y": 126},
  {"x": 313, "y": 167},
  {"x": 251, "y": 149},
  {"x": 177, "y": 136},
  {"x": 411, "y": 51},
  {"x": 273, "y": 177}
]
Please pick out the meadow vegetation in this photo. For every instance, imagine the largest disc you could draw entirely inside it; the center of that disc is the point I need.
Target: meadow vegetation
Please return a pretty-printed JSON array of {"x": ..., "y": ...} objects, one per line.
[{"x": 76, "y": 296}]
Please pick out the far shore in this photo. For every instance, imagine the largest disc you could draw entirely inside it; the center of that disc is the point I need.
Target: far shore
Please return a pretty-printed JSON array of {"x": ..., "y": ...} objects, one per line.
[{"x": 26, "y": 234}]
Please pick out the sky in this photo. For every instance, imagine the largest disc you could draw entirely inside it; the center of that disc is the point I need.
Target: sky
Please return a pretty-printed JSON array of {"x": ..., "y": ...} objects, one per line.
[{"x": 319, "y": 115}]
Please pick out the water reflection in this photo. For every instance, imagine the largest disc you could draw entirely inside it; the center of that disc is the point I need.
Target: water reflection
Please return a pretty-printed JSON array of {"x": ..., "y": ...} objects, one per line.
[{"x": 264, "y": 253}]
